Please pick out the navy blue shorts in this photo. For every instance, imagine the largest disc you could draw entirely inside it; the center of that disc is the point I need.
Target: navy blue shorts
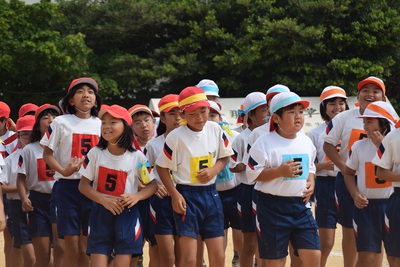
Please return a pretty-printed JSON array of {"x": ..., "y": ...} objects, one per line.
[
  {"x": 325, "y": 203},
  {"x": 53, "y": 207},
  {"x": 369, "y": 226},
  {"x": 144, "y": 211},
  {"x": 229, "y": 200},
  {"x": 392, "y": 222},
  {"x": 162, "y": 216},
  {"x": 121, "y": 234},
  {"x": 20, "y": 228},
  {"x": 39, "y": 218},
  {"x": 204, "y": 214},
  {"x": 283, "y": 219},
  {"x": 246, "y": 207},
  {"x": 73, "y": 209},
  {"x": 344, "y": 202}
]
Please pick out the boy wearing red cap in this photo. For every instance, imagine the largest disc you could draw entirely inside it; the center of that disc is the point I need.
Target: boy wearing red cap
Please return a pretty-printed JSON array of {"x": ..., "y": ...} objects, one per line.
[
  {"x": 282, "y": 165},
  {"x": 195, "y": 154},
  {"x": 5, "y": 132},
  {"x": 347, "y": 128}
]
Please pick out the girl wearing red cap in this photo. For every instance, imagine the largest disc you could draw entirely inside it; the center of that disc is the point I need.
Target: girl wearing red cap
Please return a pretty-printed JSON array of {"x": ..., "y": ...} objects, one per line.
[
  {"x": 115, "y": 167},
  {"x": 35, "y": 177},
  {"x": 66, "y": 142},
  {"x": 162, "y": 223}
]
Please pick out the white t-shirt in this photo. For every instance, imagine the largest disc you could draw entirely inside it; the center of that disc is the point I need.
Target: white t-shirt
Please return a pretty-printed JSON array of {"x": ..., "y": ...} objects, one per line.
[
  {"x": 10, "y": 172},
  {"x": 39, "y": 176},
  {"x": 270, "y": 151},
  {"x": 388, "y": 154},
  {"x": 347, "y": 128},
  {"x": 152, "y": 151},
  {"x": 6, "y": 150},
  {"x": 186, "y": 151},
  {"x": 239, "y": 147},
  {"x": 115, "y": 175},
  {"x": 69, "y": 136},
  {"x": 317, "y": 137},
  {"x": 360, "y": 157}
]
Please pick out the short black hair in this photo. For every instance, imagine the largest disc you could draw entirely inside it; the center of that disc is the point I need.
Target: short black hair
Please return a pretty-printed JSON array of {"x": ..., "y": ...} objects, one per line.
[
  {"x": 125, "y": 141},
  {"x": 68, "y": 109},
  {"x": 36, "y": 135},
  {"x": 385, "y": 125},
  {"x": 280, "y": 111}
]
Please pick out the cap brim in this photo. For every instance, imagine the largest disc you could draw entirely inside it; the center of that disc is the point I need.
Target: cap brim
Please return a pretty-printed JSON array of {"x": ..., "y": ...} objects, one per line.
[
  {"x": 196, "y": 105},
  {"x": 148, "y": 111},
  {"x": 372, "y": 81}
]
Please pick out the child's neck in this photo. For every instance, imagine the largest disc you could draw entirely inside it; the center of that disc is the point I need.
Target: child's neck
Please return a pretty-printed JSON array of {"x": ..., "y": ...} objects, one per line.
[
  {"x": 3, "y": 131},
  {"x": 115, "y": 150},
  {"x": 83, "y": 115}
]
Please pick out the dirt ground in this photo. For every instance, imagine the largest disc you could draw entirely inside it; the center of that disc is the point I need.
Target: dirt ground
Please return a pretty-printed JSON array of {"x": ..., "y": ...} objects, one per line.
[{"x": 334, "y": 260}]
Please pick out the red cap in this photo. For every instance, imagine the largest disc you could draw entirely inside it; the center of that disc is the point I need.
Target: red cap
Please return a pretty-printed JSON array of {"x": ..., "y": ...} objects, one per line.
[
  {"x": 4, "y": 110},
  {"x": 44, "y": 107},
  {"x": 25, "y": 123},
  {"x": 117, "y": 112},
  {"x": 87, "y": 80},
  {"x": 168, "y": 102},
  {"x": 374, "y": 80},
  {"x": 191, "y": 98},
  {"x": 25, "y": 108},
  {"x": 140, "y": 108}
]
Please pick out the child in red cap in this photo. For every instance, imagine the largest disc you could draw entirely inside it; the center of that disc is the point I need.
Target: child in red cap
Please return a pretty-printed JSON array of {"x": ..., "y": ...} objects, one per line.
[
  {"x": 66, "y": 142},
  {"x": 195, "y": 153},
  {"x": 114, "y": 168}
]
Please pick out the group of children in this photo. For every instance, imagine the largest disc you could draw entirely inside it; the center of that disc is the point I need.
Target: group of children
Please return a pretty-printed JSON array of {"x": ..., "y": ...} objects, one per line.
[{"x": 87, "y": 184}]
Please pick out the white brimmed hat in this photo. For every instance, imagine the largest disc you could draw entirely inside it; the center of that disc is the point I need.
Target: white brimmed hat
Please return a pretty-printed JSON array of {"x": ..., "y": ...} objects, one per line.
[{"x": 252, "y": 101}]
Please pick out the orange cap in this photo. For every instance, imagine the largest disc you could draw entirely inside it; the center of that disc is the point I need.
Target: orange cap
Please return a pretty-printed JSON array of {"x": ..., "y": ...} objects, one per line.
[
  {"x": 168, "y": 102},
  {"x": 87, "y": 80},
  {"x": 191, "y": 98},
  {"x": 25, "y": 108},
  {"x": 374, "y": 80},
  {"x": 44, "y": 107},
  {"x": 117, "y": 112},
  {"x": 25, "y": 123},
  {"x": 4, "y": 110}
]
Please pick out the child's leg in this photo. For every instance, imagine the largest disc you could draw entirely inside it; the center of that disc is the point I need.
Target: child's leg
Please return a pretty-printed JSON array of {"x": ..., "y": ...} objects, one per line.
[
  {"x": 368, "y": 258},
  {"x": 7, "y": 246},
  {"x": 122, "y": 260},
  {"x": 42, "y": 250},
  {"x": 327, "y": 237},
  {"x": 295, "y": 261},
  {"x": 310, "y": 257},
  {"x": 248, "y": 250},
  {"x": 100, "y": 260},
  {"x": 188, "y": 247},
  {"x": 71, "y": 251},
  {"x": 166, "y": 249},
  {"x": 200, "y": 252},
  {"x": 58, "y": 247},
  {"x": 16, "y": 259},
  {"x": 28, "y": 254},
  {"x": 154, "y": 255},
  {"x": 349, "y": 247},
  {"x": 215, "y": 249},
  {"x": 276, "y": 263}
]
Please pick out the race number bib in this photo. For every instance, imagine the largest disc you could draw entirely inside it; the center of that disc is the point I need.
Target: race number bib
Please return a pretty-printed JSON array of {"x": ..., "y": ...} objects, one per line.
[
  {"x": 82, "y": 143},
  {"x": 44, "y": 172},
  {"x": 356, "y": 134},
  {"x": 371, "y": 181},
  {"x": 198, "y": 163},
  {"x": 111, "y": 182}
]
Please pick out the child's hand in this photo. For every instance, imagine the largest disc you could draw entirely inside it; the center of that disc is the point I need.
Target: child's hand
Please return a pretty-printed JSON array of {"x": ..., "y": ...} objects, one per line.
[
  {"x": 329, "y": 165},
  {"x": 376, "y": 138},
  {"x": 73, "y": 166},
  {"x": 205, "y": 175},
  {"x": 309, "y": 191},
  {"x": 291, "y": 169},
  {"x": 360, "y": 201},
  {"x": 27, "y": 205},
  {"x": 113, "y": 205},
  {"x": 11, "y": 125},
  {"x": 179, "y": 204},
  {"x": 162, "y": 192},
  {"x": 128, "y": 200}
]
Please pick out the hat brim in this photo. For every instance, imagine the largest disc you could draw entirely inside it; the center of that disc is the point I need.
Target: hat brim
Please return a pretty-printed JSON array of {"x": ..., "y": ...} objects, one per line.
[
  {"x": 109, "y": 110},
  {"x": 199, "y": 104},
  {"x": 304, "y": 103},
  {"x": 148, "y": 111},
  {"x": 372, "y": 81}
]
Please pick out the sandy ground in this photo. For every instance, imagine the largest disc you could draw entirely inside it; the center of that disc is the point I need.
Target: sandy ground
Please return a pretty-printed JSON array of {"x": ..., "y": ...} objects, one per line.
[{"x": 335, "y": 259}]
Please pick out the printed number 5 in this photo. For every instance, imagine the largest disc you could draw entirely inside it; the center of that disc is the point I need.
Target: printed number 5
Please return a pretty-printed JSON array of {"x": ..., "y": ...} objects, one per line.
[{"x": 111, "y": 182}]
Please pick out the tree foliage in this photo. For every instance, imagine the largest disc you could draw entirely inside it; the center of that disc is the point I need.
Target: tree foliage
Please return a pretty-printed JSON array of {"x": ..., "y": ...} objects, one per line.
[{"x": 142, "y": 49}]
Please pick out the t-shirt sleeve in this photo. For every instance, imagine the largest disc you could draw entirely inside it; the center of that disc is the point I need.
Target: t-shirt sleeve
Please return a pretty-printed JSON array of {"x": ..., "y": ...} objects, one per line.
[
  {"x": 352, "y": 160},
  {"x": 333, "y": 131},
  {"x": 257, "y": 161},
  {"x": 384, "y": 154},
  {"x": 168, "y": 156},
  {"x": 225, "y": 149},
  {"x": 88, "y": 167},
  {"x": 52, "y": 135}
]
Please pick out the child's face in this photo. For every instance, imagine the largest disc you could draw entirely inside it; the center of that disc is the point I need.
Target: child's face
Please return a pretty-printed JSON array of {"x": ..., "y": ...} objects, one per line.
[
  {"x": 84, "y": 99},
  {"x": 368, "y": 94},
  {"x": 335, "y": 107},
  {"x": 213, "y": 116},
  {"x": 24, "y": 137},
  {"x": 213, "y": 98},
  {"x": 143, "y": 125},
  {"x": 45, "y": 121},
  {"x": 3, "y": 123},
  {"x": 259, "y": 115},
  {"x": 291, "y": 121},
  {"x": 171, "y": 119},
  {"x": 197, "y": 118},
  {"x": 371, "y": 125},
  {"x": 111, "y": 128}
]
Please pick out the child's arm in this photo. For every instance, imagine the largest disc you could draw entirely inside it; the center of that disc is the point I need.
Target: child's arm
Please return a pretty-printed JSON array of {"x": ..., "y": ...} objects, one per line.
[
  {"x": 129, "y": 200},
  {"x": 387, "y": 175},
  {"x": 289, "y": 168},
  {"x": 360, "y": 201},
  {"x": 26, "y": 202},
  {"x": 327, "y": 165},
  {"x": 3, "y": 222},
  {"x": 310, "y": 185},
  {"x": 73, "y": 166},
  {"x": 238, "y": 168},
  {"x": 109, "y": 203},
  {"x": 331, "y": 151},
  {"x": 6, "y": 189},
  {"x": 178, "y": 201},
  {"x": 205, "y": 175}
]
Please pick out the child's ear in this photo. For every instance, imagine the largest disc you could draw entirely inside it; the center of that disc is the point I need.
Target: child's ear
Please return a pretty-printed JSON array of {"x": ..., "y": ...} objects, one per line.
[{"x": 275, "y": 118}]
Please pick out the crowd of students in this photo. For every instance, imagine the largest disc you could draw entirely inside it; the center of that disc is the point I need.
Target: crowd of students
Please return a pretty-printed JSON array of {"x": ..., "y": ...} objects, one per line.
[{"x": 87, "y": 184}]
